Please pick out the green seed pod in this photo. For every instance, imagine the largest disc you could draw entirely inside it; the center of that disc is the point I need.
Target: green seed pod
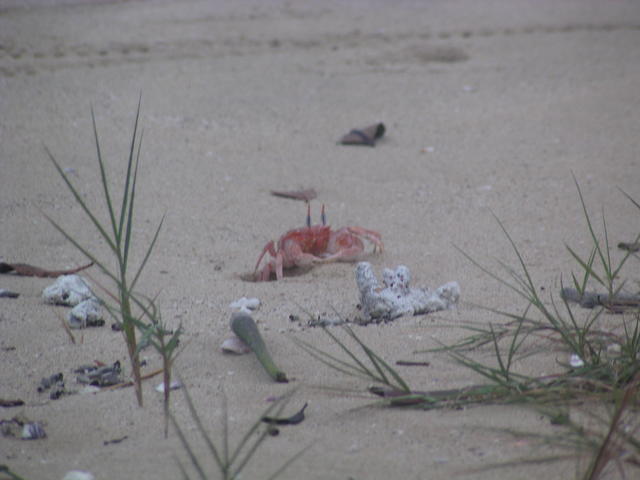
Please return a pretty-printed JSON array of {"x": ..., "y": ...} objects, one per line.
[{"x": 245, "y": 328}]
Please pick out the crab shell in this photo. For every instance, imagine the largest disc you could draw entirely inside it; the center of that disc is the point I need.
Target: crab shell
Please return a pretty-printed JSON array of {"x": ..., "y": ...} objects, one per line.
[{"x": 312, "y": 245}]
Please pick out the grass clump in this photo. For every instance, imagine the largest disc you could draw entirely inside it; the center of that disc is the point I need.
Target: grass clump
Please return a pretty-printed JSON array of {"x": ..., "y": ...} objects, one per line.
[
  {"x": 371, "y": 367},
  {"x": 605, "y": 365},
  {"x": 229, "y": 462},
  {"x": 132, "y": 311}
]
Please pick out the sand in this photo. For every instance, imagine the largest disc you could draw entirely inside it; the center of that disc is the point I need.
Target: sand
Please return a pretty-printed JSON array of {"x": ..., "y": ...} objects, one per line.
[{"x": 490, "y": 107}]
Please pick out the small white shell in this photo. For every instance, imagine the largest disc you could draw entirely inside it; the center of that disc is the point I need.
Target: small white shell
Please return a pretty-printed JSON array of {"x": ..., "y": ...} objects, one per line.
[
  {"x": 245, "y": 304},
  {"x": 78, "y": 475},
  {"x": 32, "y": 431},
  {"x": 87, "y": 313},
  {"x": 575, "y": 361},
  {"x": 88, "y": 389},
  {"x": 175, "y": 384},
  {"x": 235, "y": 345}
]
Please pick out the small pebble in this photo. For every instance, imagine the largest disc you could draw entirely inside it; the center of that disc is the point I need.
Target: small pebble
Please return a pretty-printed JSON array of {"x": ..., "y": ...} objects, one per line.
[
  {"x": 575, "y": 361},
  {"x": 32, "y": 431},
  {"x": 175, "y": 384},
  {"x": 78, "y": 475},
  {"x": 8, "y": 293}
]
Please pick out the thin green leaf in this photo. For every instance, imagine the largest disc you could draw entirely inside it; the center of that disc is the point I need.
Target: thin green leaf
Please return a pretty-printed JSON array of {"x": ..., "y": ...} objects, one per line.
[
  {"x": 286, "y": 465},
  {"x": 188, "y": 448},
  {"x": 278, "y": 406},
  {"x": 81, "y": 202},
  {"x": 130, "y": 205},
  {"x": 196, "y": 418},
  {"x": 147, "y": 254},
  {"x": 369, "y": 353},
  {"x": 103, "y": 177},
  {"x": 322, "y": 356},
  {"x": 351, "y": 354},
  {"x": 125, "y": 195}
]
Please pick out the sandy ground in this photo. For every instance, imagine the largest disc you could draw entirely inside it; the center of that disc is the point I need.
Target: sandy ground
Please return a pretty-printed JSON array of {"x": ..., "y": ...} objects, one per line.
[{"x": 489, "y": 107}]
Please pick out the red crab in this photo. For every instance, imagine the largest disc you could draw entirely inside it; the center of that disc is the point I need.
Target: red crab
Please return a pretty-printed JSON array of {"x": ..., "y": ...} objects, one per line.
[{"x": 314, "y": 244}]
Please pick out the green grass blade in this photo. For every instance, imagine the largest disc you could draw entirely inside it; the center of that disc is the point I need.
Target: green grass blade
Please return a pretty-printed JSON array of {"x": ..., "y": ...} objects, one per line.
[
  {"x": 504, "y": 370},
  {"x": 525, "y": 270},
  {"x": 369, "y": 353},
  {"x": 357, "y": 361},
  {"x": 594, "y": 237},
  {"x": 225, "y": 430},
  {"x": 183, "y": 472},
  {"x": 630, "y": 198},
  {"x": 103, "y": 177},
  {"x": 128, "y": 228},
  {"x": 607, "y": 265},
  {"x": 196, "y": 418},
  {"x": 250, "y": 452},
  {"x": 83, "y": 250},
  {"x": 394, "y": 373},
  {"x": 380, "y": 364},
  {"x": 147, "y": 254},
  {"x": 83, "y": 205},
  {"x": 125, "y": 194},
  {"x": 185, "y": 443},
  {"x": 247, "y": 436},
  {"x": 286, "y": 464},
  {"x": 322, "y": 356}
]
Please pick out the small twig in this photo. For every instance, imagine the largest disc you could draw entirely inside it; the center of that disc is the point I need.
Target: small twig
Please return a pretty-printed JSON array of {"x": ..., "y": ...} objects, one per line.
[
  {"x": 305, "y": 195},
  {"x": 66, "y": 328},
  {"x": 130, "y": 383},
  {"x": 409, "y": 363}
]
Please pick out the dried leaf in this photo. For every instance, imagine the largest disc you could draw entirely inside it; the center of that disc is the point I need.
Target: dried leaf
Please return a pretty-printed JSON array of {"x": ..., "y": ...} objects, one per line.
[
  {"x": 631, "y": 247},
  {"x": 26, "y": 270},
  {"x": 292, "y": 420}
]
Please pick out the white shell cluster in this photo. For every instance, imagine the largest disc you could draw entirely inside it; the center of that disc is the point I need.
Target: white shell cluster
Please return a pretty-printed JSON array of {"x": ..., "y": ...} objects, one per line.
[
  {"x": 396, "y": 298},
  {"x": 74, "y": 291},
  {"x": 67, "y": 290}
]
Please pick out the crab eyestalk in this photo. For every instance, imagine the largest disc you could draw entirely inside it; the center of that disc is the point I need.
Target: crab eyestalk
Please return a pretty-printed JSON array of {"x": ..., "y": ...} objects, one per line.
[{"x": 245, "y": 328}]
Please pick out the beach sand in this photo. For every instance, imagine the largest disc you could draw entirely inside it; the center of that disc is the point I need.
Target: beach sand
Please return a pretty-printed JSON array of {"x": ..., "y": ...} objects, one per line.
[{"x": 490, "y": 108}]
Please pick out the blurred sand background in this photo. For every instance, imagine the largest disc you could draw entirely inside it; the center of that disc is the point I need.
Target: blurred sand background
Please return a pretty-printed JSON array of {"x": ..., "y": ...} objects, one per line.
[{"x": 489, "y": 106}]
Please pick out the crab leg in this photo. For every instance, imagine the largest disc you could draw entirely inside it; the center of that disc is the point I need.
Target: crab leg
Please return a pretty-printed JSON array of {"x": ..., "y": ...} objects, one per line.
[
  {"x": 269, "y": 247},
  {"x": 373, "y": 237}
]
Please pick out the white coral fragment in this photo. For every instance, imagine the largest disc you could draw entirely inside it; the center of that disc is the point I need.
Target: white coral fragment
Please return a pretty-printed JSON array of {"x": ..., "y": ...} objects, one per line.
[
  {"x": 67, "y": 290},
  {"x": 396, "y": 298},
  {"x": 244, "y": 304}
]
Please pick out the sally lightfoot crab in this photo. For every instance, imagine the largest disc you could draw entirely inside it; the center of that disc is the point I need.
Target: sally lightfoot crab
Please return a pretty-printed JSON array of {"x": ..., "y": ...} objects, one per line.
[{"x": 312, "y": 245}]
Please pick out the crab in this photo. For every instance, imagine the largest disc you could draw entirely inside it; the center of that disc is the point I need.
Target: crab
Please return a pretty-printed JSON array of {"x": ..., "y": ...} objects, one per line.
[{"x": 312, "y": 245}]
